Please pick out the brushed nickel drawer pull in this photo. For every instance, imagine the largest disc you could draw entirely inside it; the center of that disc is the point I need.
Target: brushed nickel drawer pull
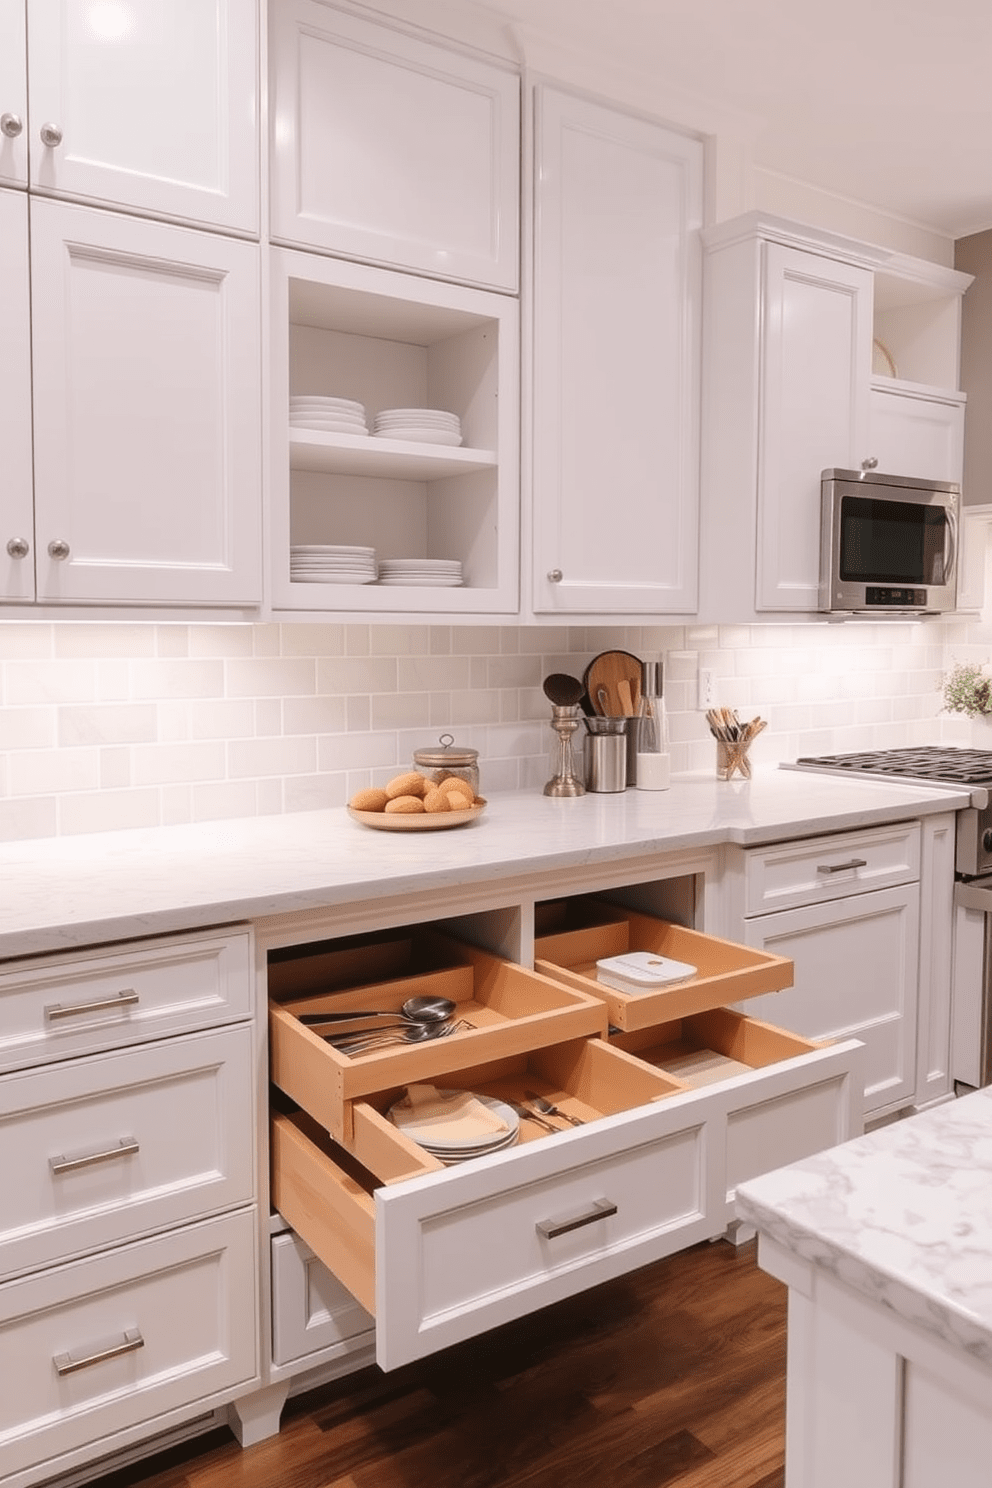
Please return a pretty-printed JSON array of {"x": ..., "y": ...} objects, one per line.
[
  {"x": 66, "y": 1364},
  {"x": 102, "y": 1004},
  {"x": 601, "y": 1209},
  {"x": 842, "y": 867},
  {"x": 126, "y": 1147}
]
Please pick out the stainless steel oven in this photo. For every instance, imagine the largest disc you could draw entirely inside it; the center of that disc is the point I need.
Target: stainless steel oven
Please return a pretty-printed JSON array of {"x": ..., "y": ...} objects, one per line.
[{"x": 971, "y": 1045}]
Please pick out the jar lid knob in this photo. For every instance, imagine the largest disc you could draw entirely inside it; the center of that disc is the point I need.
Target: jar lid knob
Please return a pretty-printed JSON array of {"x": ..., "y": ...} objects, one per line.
[{"x": 446, "y": 740}]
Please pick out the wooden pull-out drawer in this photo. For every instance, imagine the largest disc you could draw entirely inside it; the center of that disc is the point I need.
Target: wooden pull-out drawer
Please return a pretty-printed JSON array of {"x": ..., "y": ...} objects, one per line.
[
  {"x": 101, "y": 1345},
  {"x": 56, "y": 1006},
  {"x": 511, "y": 1010},
  {"x": 810, "y": 872},
  {"x": 97, "y": 1151},
  {"x": 441, "y": 1254},
  {"x": 725, "y": 972}
]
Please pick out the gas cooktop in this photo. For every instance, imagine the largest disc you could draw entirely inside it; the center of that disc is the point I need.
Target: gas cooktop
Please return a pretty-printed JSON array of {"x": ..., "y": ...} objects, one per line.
[{"x": 936, "y": 762}]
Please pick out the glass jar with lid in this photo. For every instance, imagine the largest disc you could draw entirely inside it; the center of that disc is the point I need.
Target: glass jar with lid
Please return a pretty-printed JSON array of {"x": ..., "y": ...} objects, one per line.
[{"x": 447, "y": 758}]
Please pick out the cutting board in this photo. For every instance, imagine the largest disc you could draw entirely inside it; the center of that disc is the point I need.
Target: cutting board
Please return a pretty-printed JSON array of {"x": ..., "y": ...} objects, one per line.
[{"x": 617, "y": 674}]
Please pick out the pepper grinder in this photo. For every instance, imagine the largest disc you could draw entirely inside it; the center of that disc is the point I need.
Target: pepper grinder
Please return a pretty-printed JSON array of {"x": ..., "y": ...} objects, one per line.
[{"x": 564, "y": 781}]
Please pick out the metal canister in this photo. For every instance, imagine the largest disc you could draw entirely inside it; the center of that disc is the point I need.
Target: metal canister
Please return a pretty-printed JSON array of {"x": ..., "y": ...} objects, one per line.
[{"x": 447, "y": 758}]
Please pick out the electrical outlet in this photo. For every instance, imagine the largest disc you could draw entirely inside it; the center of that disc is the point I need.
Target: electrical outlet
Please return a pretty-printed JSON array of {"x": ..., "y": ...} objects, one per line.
[{"x": 705, "y": 688}]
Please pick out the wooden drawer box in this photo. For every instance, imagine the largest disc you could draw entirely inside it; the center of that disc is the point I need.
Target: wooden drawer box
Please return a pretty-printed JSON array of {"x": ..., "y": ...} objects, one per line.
[
  {"x": 511, "y": 1010},
  {"x": 101, "y": 1150},
  {"x": 812, "y": 872},
  {"x": 101, "y": 1345},
  {"x": 53, "y": 1007},
  {"x": 726, "y": 972},
  {"x": 439, "y": 1254}
]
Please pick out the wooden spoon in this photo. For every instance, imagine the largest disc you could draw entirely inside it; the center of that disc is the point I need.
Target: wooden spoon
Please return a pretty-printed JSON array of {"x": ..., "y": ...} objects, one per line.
[{"x": 604, "y": 673}]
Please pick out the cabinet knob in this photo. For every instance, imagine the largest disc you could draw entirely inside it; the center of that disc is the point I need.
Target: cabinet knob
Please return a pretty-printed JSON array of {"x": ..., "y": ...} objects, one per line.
[
  {"x": 556, "y": 576},
  {"x": 870, "y": 464},
  {"x": 58, "y": 549},
  {"x": 11, "y": 125},
  {"x": 18, "y": 547},
  {"x": 51, "y": 135}
]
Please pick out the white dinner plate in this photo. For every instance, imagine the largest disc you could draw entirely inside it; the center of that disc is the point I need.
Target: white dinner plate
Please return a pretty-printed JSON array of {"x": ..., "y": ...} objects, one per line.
[
  {"x": 413, "y": 414},
  {"x": 313, "y": 400},
  {"x": 330, "y": 578},
  {"x": 474, "y": 1146},
  {"x": 419, "y": 436}
]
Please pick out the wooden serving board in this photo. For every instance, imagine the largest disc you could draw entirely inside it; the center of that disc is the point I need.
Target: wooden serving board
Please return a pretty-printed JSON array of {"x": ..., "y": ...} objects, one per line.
[{"x": 618, "y": 675}]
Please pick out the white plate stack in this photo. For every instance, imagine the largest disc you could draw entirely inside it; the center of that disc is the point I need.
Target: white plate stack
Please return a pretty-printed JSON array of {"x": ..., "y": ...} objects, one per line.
[
  {"x": 438, "y": 573},
  {"x": 322, "y": 563},
  {"x": 419, "y": 425},
  {"x": 467, "y": 1138},
  {"x": 329, "y": 415}
]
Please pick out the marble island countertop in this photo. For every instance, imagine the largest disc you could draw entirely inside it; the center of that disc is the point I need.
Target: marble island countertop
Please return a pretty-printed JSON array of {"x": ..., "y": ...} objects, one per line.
[
  {"x": 903, "y": 1216},
  {"x": 71, "y": 891}
]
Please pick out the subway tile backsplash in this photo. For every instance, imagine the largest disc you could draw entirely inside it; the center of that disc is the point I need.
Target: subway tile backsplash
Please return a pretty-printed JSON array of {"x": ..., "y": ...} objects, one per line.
[{"x": 106, "y": 726}]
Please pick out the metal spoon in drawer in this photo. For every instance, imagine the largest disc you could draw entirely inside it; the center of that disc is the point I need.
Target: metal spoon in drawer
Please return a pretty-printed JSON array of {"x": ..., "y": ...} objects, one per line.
[
  {"x": 548, "y": 1108},
  {"x": 381, "y": 1038},
  {"x": 425, "y": 1011}
]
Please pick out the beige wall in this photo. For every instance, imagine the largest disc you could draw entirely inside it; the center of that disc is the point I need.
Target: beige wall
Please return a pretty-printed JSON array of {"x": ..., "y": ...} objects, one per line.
[{"x": 974, "y": 256}]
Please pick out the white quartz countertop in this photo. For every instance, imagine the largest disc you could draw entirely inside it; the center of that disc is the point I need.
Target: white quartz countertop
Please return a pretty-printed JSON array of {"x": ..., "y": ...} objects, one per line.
[
  {"x": 902, "y": 1215},
  {"x": 69, "y": 891}
]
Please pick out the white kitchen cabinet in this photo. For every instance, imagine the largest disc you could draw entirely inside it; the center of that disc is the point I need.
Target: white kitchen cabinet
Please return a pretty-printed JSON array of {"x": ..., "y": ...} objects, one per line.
[
  {"x": 16, "y": 507},
  {"x": 129, "y": 1245},
  {"x": 13, "y": 94},
  {"x": 389, "y": 340},
  {"x": 846, "y": 910},
  {"x": 153, "y": 107},
  {"x": 791, "y": 318},
  {"x": 389, "y": 148},
  {"x": 615, "y": 421},
  {"x": 147, "y": 411},
  {"x": 916, "y": 431}
]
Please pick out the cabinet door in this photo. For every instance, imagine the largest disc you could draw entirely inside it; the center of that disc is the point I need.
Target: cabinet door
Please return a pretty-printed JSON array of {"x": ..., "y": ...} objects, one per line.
[
  {"x": 13, "y": 95},
  {"x": 857, "y": 976},
  {"x": 616, "y": 362},
  {"x": 392, "y": 150},
  {"x": 147, "y": 410},
  {"x": 153, "y": 106},
  {"x": 816, "y": 356},
  {"x": 917, "y": 435},
  {"x": 16, "y": 519}
]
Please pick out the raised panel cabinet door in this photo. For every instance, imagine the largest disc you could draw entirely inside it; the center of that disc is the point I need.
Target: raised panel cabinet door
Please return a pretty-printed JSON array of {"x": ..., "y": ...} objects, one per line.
[
  {"x": 616, "y": 361},
  {"x": 13, "y": 94},
  {"x": 393, "y": 150},
  {"x": 147, "y": 373},
  {"x": 151, "y": 106},
  {"x": 815, "y": 366},
  {"x": 16, "y": 508},
  {"x": 910, "y": 434}
]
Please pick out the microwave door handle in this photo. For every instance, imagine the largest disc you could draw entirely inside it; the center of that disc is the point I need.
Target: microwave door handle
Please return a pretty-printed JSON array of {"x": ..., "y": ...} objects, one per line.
[{"x": 951, "y": 543}]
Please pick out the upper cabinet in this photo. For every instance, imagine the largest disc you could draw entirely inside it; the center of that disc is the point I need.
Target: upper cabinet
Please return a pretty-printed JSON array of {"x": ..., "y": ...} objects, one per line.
[
  {"x": 615, "y": 425},
  {"x": 16, "y": 518},
  {"x": 389, "y": 149},
  {"x": 13, "y": 95},
  {"x": 147, "y": 368},
  {"x": 151, "y": 107},
  {"x": 794, "y": 321}
]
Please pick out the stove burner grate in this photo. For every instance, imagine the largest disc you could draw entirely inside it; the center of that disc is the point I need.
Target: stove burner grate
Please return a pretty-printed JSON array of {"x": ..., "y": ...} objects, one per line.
[{"x": 926, "y": 762}]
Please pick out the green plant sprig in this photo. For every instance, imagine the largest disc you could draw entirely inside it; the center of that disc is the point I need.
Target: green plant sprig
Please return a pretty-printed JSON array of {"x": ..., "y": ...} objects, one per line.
[{"x": 968, "y": 690}]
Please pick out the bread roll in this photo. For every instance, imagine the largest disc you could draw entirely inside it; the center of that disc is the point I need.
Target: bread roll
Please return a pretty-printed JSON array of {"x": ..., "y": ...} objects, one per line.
[
  {"x": 455, "y": 783},
  {"x": 457, "y": 801},
  {"x": 404, "y": 804},
  {"x": 410, "y": 784},
  {"x": 436, "y": 800},
  {"x": 372, "y": 799}
]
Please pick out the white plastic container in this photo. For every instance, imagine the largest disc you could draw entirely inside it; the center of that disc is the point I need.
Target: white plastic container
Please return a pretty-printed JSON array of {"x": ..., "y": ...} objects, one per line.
[{"x": 642, "y": 971}]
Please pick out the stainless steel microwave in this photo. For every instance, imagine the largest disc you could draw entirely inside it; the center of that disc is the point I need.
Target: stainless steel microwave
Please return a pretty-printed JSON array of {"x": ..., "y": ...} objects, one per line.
[{"x": 888, "y": 544}]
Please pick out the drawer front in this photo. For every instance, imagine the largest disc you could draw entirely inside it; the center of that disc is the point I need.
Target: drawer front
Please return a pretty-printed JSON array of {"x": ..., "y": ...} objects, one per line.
[
  {"x": 446, "y": 1256},
  {"x": 799, "y": 873},
  {"x": 311, "y": 1310},
  {"x": 104, "y": 1344},
  {"x": 100, "y": 1150},
  {"x": 58, "y": 1006}
]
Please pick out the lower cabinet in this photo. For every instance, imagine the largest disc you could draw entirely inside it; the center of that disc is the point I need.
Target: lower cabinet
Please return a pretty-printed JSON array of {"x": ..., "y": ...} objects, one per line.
[
  {"x": 846, "y": 911},
  {"x": 658, "y": 1120}
]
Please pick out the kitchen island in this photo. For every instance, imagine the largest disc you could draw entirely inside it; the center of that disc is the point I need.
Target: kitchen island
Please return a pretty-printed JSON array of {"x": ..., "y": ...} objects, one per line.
[{"x": 885, "y": 1244}]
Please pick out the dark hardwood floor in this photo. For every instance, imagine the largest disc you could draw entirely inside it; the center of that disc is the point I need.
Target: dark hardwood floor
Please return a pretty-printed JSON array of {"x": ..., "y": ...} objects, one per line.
[{"x": 674, "y": 1375}]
